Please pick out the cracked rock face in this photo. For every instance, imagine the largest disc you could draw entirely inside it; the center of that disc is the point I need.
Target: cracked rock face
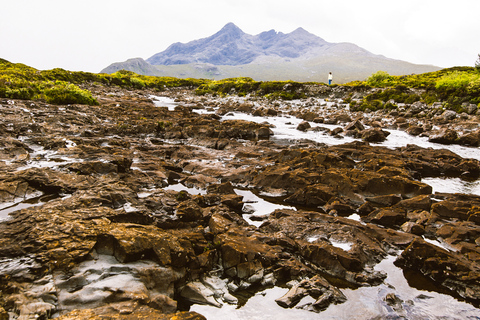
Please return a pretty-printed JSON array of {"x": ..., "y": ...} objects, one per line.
[{"x": 134, "y": 211}]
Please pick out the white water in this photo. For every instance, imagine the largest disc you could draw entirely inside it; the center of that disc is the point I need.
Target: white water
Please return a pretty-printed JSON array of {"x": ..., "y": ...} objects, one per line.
[
  {"x": 453, "y": 185},
  {"x": 164, "y": 102},
  {"x": 285, "y": 128},
  {"x": 257, "y": 206}
]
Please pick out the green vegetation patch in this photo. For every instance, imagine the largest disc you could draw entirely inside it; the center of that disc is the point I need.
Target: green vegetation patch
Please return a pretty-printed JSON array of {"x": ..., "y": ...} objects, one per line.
[
  {"x": 58, "y": 86},
  {"x": 452, "y": 86},
  {"x": 287, "y": 90}
]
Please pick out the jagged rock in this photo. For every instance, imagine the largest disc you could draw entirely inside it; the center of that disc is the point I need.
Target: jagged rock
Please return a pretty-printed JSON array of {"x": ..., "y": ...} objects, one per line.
[
  {"x": 470, "y": 139},
  {"x": 312, "y": 196},
  {"x": 317, "y": 287},
  {"x": 449, "y": 115},
  {"x": 413, "y": 228},
  {"x": 460, "y": 207},
  {"x": 420, "y": 202},
  {"x": 447, "y": 136},
  {"x": 415, "y": 130},
  {"x": 374, "y": 135},
  {"x": 355, "y": 125},
  {"x": 303, "y": 126},
  {"x": 127, "y": 312},
  {"x": 445, "y": 268},
  {"x": 384, "y": 200},
  {"x": 387, "y": 217},
  {"x": 417, "y": 107}
]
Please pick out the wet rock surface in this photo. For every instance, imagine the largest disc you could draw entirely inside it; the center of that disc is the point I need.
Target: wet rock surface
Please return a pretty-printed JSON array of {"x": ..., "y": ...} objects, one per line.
[{"x": 113, "y": 240}]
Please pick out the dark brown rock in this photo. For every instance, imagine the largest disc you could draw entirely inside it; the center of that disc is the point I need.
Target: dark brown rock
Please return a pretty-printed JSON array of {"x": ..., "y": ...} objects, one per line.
[
  {"x": 447, "y": 136},
  {"x": 445, "y": 268},
  {"x": 387, "y": 217},
  {"x": 303, "y": 126},
  {"x": 374, "y": 135}
]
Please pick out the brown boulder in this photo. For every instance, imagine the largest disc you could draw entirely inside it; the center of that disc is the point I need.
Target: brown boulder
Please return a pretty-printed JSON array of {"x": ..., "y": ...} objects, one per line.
[
  {"x": 303, "y": 126},
  {"x": 355, "y": 125},
  {"x": 318, "y": 288},
  {"x": 447, "y": 136},
  {"x": 237, "y": 249},
  {"x": 311, "y": 196},
  {"x": 420, "y": 202},
  {"x": 414, "y": 130},
  {"x": 387, "y": 217},
  {"x": 414, "y": 228},
  {"x": 374, "y": 135},
  {"x": 463, "y": 207},
  {"x": 470, "y": 139},
  {"x": 129, "y": 313},
  {"x": 384, "y": 200},
  {"x": 447, "y": 269}
]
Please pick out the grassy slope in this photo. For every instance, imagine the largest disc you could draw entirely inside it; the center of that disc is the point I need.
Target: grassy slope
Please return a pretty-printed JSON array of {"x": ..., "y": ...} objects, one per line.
[{"x": 453, "y": 86}]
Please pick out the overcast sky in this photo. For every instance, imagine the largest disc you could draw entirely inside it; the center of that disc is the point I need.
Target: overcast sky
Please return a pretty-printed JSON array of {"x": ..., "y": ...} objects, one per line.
[{"x": 89, "y": 35}]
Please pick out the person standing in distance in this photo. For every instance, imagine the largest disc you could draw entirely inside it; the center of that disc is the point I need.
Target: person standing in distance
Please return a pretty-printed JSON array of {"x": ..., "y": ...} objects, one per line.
[{"x": 330, "y": 78}]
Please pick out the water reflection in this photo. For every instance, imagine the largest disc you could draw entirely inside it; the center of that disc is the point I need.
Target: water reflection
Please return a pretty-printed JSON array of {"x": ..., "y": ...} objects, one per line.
[
  {"x": 365, "y": 303},
  {"x": 453, "y": 185}
]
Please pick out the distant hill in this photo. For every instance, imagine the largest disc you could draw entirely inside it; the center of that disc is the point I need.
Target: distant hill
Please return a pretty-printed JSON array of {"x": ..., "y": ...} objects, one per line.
[{"x": 270, "y": 55}]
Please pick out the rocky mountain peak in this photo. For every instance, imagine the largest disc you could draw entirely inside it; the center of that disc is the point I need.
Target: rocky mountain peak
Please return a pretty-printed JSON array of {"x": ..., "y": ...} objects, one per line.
[
  {"x": 269, "y": 55},
  {"x": 231, "y": 29},
  {"x": 231, "y": 46}
]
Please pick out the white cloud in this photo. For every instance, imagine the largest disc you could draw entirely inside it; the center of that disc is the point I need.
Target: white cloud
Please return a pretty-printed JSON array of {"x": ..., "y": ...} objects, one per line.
[{"x": 90, "y": 34}]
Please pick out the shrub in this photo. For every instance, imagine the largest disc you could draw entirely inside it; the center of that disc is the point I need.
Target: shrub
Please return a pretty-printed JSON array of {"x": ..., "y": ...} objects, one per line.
[
  {"x": 379, "y": 79},
  {"x": 62, "y": 92},
  {"x": 458, "y": 87}
]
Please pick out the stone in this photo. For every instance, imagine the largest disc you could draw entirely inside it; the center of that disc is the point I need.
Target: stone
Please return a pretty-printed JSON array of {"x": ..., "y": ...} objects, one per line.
[
  {"x": 303, "y": 126},
  {"x": 415, "y": 130},
  {"x": 447, "y": 136},
  {"x": 315, "y": 287},
  {"x": 449, "y": 115},
  {"x": 355, "y": 125},
  {"x": 387, "y": 217},
  {"x": 197, "y": 292},
  {"x": 374, "y": 135},
  {"x": 413, "y": 228},
  {"x": 470, "y": 139},
  {"x": 417, "y": 107},
  {"x": 264, "y": 133},
  {"x": 445, "y": 268}
]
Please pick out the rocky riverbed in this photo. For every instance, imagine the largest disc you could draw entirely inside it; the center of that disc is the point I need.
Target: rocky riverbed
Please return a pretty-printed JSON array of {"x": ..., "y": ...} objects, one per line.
[{"x": 94, "y": 227}]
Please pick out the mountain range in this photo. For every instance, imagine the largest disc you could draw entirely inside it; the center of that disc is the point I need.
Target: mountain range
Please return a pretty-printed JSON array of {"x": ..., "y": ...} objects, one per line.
[{"x": 270, "y": 55}]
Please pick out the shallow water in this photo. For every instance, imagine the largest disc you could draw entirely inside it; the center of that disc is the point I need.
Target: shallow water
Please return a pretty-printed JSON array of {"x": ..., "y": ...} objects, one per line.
[
  {"x": 285, "y": 129},
  {"x": 363, "y": 304},
  {"x": 160, "y": 101},
  {"x": 453, "y": 185},
  {"x": 42, "y": 158},
  {"x": 7, "y": 208},
  {"x": 257, "y": 206}
]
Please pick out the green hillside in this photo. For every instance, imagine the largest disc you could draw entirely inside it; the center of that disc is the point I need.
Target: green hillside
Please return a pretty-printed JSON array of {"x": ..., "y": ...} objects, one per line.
[{"x": 453, "y": 86}]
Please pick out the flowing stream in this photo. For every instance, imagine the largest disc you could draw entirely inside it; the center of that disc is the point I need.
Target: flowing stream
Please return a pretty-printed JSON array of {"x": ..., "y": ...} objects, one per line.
[{"x": 363, "y": 303}]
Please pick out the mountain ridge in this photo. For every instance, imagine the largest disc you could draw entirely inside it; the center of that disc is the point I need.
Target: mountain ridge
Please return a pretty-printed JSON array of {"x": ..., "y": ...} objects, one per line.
[{"x": 270, "y": 55}]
